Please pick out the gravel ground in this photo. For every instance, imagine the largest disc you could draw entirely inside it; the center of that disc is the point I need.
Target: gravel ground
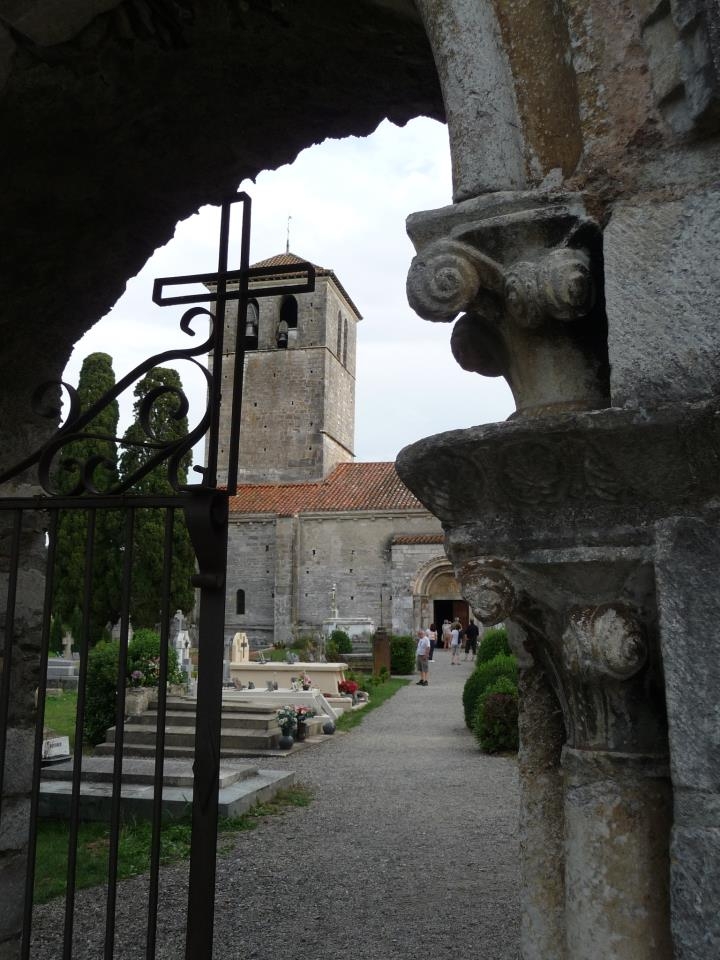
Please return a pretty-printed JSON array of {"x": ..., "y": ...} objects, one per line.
[{"x": 408, "y": 850}]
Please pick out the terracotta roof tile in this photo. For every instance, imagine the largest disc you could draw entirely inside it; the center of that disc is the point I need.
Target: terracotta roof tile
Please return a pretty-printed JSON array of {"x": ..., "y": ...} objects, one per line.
[{"x": 351, "y": 486}]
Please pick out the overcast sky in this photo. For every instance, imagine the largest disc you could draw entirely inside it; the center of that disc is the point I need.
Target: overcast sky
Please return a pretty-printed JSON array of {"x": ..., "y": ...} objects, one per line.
[{"x": 348, "y": 200}]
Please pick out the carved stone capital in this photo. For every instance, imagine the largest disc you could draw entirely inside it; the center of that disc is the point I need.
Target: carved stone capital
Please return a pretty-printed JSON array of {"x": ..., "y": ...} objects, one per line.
[
  {"x": 603, "y": 643},
  {"x": 525, "y": 270},
  {"x": 489, "y": 591}
]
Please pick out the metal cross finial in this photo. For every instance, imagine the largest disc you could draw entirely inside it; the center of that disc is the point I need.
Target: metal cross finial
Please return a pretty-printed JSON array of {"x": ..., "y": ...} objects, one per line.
[
  {"x": 222, "y": 286},
  {"x": 287, "y": 242}
]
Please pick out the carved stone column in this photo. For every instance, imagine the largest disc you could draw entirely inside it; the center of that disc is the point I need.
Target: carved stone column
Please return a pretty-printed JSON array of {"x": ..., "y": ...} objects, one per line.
[{"x": 552, "y": 524}]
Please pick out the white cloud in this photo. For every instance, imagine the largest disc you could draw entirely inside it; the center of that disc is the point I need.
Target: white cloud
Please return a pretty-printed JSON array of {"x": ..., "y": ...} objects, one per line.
[{"x": 348, "y": 200}]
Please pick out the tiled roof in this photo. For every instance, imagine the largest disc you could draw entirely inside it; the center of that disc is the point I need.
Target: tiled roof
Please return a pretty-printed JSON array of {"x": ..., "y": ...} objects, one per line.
[
  {"x": 351, "y": 486},
  {"x": 419, "y": 538},
  {"x": 290, "y": 260}
]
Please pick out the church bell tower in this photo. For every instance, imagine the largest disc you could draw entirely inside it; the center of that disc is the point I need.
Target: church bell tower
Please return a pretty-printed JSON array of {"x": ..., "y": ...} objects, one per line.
[{"x": 298, "y": 411}]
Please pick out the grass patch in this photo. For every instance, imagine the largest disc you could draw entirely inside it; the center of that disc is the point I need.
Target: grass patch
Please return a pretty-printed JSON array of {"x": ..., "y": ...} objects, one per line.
[
  {"x": 134, "y": 849},
  {"x": 60, "y": 715},
  {"x": 379, "y": 694}
]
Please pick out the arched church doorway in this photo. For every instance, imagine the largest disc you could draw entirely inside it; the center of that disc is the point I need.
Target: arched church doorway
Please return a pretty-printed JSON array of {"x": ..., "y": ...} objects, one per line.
[{"x": 437, "y": 596}]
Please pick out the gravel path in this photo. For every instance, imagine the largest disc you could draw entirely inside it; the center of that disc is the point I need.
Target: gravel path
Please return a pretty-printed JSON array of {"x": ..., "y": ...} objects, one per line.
[{"x": 408, "y": 850}]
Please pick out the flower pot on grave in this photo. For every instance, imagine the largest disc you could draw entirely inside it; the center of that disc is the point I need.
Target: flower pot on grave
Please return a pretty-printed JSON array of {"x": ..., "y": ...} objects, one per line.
[
  {"x": 328, "y": 727},
  {"x": 285, "y": 741},
  {"x": 300, "y": 731},
  {"x": 306, "y": 686}
]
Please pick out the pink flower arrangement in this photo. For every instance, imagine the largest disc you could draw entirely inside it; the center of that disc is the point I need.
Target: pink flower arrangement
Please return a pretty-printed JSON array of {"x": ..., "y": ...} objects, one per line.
[{"x": 348, "y": 686}]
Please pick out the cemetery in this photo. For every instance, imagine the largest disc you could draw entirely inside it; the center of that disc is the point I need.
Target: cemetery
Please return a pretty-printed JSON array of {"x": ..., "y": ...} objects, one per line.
[{"x": 575, "y": 256}]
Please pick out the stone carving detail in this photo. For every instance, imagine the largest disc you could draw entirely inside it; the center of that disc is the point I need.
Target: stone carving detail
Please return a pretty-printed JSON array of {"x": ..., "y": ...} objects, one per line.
[
  {"x": 604, "y": 642},
  {"x": 489, "y": 591},
  {"x": 528, "y": 282},
  {"x": 533, "y": 473},
  {"x": 559, "y": 285}
]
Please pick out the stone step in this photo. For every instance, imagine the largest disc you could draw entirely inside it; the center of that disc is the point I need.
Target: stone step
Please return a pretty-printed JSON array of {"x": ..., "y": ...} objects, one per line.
[
  {"x": 189, "y": 705},
  {"x": 253, "y": 720},
  {"x": 237, "y": 793},
  {"x": 185, "y": 737}
]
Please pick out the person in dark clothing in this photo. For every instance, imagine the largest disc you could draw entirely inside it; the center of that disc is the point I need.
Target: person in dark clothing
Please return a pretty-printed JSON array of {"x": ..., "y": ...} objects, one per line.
[{"x": 471, "y": 637}]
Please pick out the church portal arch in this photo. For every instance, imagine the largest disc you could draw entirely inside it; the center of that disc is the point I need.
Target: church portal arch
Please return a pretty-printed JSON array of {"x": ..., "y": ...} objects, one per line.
[{"x": 437, "y": 595}]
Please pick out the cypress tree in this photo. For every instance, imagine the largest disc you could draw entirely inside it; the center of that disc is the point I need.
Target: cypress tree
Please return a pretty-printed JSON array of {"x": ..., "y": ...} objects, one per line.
[
  {"x": 96, "y": 378},
  {"x": 148, "y": 546}
]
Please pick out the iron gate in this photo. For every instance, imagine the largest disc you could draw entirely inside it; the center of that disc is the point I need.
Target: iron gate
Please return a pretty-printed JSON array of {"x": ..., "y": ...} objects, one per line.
[{"x": 29, "y": 527}]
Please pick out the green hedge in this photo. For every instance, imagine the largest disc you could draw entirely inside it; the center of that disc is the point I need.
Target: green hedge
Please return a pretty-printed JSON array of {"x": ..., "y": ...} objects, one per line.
[
  {"x": 494, "y": 642},
  {"x": 485, "y": 674},
  {"x": 338, "y": 643},
  {"x": 102, "y": 677},
  {"x": 495, "y": 723},
  {"x": 402, "y": 655},
  {"x": 144, "y": 655},
  {"x": 102, "y": 681}
]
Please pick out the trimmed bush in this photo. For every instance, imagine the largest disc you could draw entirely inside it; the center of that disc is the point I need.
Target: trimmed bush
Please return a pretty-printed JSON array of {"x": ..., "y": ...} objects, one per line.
[
  {"x": 495, "y": 723},
  {"x": 482, "y": 677},
  {"x": 494, "y": 642},
  {"x": 102, "y": 682},
  {"x": 337, "y": 644},
  {"x": 402, "y": 655},
  {"x": 144, "y": 655}
]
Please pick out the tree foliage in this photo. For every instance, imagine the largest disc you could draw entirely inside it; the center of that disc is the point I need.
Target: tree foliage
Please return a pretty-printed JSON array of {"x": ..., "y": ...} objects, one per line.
[
  {"x": 96, "y": 378},
  {"x": 157, "y": 418}
]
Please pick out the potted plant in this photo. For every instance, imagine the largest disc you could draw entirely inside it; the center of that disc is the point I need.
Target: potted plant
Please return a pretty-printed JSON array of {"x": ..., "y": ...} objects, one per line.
[
  {"x": 287, "y": 720},
  {"x": 302, "y": 715}
]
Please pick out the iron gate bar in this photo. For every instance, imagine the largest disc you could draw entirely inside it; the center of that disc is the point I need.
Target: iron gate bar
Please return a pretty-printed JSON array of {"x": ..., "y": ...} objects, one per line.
[
  {"x": 119, "y": 737},
  {"x": 39, "y": 734},
  {"x": 79, "y": 738},
  {"x": 9, "y": 643},
  {"x": 206, "y": 512},
  {"x": 160, "y": 740},
  {"x": 206, "y": 516}
]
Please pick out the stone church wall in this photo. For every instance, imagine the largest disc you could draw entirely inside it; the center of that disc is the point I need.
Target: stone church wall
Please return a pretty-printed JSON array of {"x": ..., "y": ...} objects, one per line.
[
  {"x": 407, "y": 560},
  {"x": 288, "y": 565},
  {"x": 251, "y": 567}
]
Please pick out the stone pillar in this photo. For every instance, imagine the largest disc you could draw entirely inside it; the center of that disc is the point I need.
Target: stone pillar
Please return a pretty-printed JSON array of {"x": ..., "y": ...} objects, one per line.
[
  {"x": 542, "y": 820},
  {"x": 617, "y": 821},
  {"x": 688, "y": 573}
]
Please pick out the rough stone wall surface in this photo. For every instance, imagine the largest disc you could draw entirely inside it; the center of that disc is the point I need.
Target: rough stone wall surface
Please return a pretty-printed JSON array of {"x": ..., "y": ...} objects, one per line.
[
  {"x": 688, "y": 567},
  {"x": 408, "y": 561},
  {"x": 251, "y": 567},
  {"x": 661, "y": 280},
  {"x": 287, "y": 569}
]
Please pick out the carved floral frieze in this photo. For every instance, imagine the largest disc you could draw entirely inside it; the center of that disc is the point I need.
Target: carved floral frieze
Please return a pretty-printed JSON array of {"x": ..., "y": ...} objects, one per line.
[{"x": 630, "y": 466}]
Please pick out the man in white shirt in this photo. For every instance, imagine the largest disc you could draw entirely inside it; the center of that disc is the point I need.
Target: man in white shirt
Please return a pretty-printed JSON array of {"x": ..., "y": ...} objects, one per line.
[{"x": 422, "y": 655}]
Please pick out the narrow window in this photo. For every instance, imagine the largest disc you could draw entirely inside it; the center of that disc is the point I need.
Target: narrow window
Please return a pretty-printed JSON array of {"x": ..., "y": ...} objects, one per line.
[
  {"x": 240, "y": 602},
  {"x": 345, "y": 342},
  {"x": 339, "y": 337},
  {"x": 252, "y": 321}
]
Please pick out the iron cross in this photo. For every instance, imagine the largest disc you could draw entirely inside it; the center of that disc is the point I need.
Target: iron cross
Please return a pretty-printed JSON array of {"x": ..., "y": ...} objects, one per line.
[{"x": 231, "y": 285}]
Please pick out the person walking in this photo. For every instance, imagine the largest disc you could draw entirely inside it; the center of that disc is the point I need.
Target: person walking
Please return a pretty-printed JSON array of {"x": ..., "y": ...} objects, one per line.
[
  {"x": 455, "y": 635},
  {"x": 422, "y": 656},
  {"x": 471, "y": 637},
  {"x": 432, "y": 637},
  {"x": 446, "y": 632}
]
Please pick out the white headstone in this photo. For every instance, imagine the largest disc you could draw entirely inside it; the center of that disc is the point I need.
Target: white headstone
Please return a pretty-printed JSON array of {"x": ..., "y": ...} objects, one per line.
[
  {"x": 67, "y": 642},
  {"x": 240, "y": 652}
]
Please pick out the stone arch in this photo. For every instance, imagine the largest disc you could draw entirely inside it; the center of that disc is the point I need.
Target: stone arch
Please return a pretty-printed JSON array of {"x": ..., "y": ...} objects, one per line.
[{"x": 435, "y": 581}]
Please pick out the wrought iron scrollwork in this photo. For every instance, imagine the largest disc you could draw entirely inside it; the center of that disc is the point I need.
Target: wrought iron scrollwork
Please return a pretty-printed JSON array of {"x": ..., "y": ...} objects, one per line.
[{"x": 77, "y": 425}]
